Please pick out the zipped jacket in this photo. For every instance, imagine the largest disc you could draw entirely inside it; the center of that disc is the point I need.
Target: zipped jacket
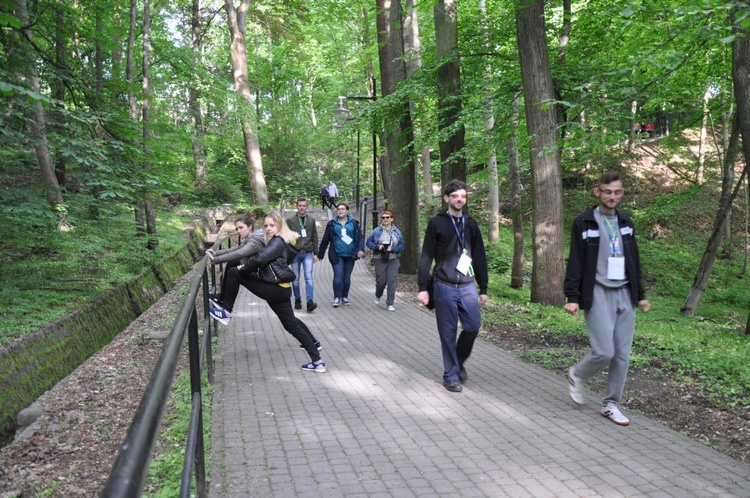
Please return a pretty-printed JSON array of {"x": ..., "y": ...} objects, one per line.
[
  {"x": 252, "y": 244},
  {"x": 580, "y": 274},
  {"x": 329, "y": 238},
  {"x": 308, "y": 243},
  {"x": 373, "y": 242},
  {"x": 274, "y": 256},
  {"x": 442, "y": 245}
]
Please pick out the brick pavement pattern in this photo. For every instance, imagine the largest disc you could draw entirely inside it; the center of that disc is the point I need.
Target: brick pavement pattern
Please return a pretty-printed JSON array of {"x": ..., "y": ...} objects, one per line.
[{"x": 379, "y": 423}]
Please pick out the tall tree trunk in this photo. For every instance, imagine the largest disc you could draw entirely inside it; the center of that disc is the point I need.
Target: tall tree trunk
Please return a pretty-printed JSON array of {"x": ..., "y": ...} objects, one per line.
[
  {"x": 562, "y": 111},
  {"x": 703, "y": 273},
  {"x": 412, "y": 50},
  {"x": 514, "y": 198},
  {"x": 547, "y": 223},
  {"x": 493, "y": 230},
  {"x": 199, "y": 160},
  {"x": 37, "y": 122},
  {"x": 702, "y": 143},
  {"x": 138, "y": 208},
  {"x": 635, "y": 131},
  {"x": 59, "y": 84},
  {"x": 148, "y": 202},
  {"x": 238, "y": 49},
  {"x": 452, "y": 160},
  {"x": 399, "y": 137},
  {"x": 741, "y": 81}
]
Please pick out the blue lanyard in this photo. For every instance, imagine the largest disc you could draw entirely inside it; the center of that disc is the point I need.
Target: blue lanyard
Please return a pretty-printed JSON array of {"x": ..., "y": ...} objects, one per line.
[{"x": 462, "y": 235}]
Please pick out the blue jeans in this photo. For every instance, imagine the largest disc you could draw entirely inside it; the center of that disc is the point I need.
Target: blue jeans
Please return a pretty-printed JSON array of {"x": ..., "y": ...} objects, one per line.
[
  {"x": 451, "y": 303},
  {"x": 303, "y": 259},
  {"x": 342, "y": 276}
]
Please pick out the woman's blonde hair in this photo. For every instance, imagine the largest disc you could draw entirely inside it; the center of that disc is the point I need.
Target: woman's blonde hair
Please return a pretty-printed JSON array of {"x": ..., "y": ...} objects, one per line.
[{"x": 289, "y": 236}]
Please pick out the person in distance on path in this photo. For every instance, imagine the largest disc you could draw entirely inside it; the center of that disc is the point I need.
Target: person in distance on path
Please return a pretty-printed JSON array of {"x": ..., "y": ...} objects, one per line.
[
  {"x": 344, "y": 237},
  {"x": 603, "y": 278},
  {"x": 307, "y": 245},
  {"x": 454, "y": 241},
  {"x": 386, "y": 243}
]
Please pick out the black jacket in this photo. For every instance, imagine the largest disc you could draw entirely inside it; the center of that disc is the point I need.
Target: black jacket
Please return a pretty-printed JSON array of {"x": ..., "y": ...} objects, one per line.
[
  {"x": 580, "y": 274},
  {"x": 441, "y": 244},
  {"x": 275, "y": 256}
]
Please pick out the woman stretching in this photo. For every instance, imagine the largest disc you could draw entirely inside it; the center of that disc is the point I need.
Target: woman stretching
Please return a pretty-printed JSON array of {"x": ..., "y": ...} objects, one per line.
[{"x": 267, "y": 275}]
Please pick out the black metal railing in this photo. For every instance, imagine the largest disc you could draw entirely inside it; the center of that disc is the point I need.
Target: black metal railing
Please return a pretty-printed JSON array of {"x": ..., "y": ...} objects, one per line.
[{"x": 128, "y": 475}]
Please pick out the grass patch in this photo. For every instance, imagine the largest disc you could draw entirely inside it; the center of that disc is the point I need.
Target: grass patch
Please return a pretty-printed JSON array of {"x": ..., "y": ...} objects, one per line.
[
  {"x": 165, "y": 471},
  {"x": 50, "y": 274}
]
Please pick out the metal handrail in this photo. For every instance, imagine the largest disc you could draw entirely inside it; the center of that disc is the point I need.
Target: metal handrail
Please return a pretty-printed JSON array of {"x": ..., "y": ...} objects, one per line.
[{"x": 128, "y": 475}]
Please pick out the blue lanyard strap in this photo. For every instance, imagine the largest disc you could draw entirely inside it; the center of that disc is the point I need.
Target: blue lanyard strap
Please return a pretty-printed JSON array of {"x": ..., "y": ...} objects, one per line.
[{"x": 461, "y": 235}]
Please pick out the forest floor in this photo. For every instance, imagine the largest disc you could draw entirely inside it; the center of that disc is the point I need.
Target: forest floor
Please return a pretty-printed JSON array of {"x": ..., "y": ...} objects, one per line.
[{"x": 69, "y": 451}]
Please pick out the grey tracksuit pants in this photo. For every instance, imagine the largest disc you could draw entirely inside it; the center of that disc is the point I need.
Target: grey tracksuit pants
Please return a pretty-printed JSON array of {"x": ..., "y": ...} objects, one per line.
[{"x": 611, "y": 324}]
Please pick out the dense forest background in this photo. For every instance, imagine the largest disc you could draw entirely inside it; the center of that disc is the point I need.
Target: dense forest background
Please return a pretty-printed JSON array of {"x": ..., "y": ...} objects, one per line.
[{"x": 114, "y": 114}]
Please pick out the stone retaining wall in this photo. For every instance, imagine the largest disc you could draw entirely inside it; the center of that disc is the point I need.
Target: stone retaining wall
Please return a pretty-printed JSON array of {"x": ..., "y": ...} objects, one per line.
[{"x": 36, "y": 362}]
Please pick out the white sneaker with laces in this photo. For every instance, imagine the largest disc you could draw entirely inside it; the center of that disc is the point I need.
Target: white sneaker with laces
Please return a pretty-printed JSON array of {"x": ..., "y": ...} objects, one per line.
[
  {"x": 614, "y": 414},
  {"x": 575, "y": 386},
  {"x": 346, "y": 301},
  {"x": 336, "y": 302}
]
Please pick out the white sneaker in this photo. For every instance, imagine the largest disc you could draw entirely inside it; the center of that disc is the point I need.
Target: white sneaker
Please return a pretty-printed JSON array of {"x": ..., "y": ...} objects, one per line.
[
  {"x": 575, "y": 386},
  {"x": 614, "y": 414},
  {"x": 336, "y": 302},
  {"x": 346, "y": 301},
  {"x": 391, "y": 308},
  {"x": 376, "y": 300}
]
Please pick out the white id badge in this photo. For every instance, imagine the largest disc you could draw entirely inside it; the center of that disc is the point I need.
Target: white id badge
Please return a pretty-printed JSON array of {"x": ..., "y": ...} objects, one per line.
[
  {"x": 344, "y": 237},
  {"x": 616, "y": 268},
  {"x": 303, "y": 232},
  {"x": 464, "y": 264}
]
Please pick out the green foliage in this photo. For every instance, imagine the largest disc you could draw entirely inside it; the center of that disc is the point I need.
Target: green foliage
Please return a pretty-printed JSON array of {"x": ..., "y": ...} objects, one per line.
[{"x": 62, "y": 269}]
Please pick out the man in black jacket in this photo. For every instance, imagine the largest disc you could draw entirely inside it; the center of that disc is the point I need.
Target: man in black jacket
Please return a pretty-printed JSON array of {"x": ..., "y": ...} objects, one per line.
[
  {"x": 604, "y": 279},
  {"x": 453, "y": 240}
]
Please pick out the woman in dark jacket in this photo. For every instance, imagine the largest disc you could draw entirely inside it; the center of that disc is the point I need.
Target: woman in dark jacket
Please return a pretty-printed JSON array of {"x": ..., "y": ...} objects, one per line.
[
  {"x": 345, "y": 238},
  {"x": 267, "y": 275}
]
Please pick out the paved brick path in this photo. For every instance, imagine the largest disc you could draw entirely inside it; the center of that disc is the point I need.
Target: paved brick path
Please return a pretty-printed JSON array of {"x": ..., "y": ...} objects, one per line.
[{"x": 380, "y": 424}]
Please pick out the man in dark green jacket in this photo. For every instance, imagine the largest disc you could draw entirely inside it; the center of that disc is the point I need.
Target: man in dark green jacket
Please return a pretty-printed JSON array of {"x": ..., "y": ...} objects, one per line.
[{"x": 307, "y": 245}]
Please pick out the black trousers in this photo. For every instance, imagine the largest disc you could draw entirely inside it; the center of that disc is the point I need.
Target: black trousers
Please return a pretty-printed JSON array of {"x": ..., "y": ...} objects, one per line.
[{"x": 278, "y": 298}]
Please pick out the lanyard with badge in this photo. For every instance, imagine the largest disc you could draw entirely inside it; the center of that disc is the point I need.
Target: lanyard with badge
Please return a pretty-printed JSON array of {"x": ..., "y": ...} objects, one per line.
[
  {"x": 344, "y": 236},
  {"x": 301, "y": 222},
  {"x": 616, "y": 260},
  {"x": 464, "y": 262}
]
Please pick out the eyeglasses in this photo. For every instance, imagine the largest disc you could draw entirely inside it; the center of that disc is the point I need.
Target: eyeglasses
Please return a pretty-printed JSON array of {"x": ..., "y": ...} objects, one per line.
[
  {"x": 612, "y": 192},
  {"x": 385, "y": 217}
]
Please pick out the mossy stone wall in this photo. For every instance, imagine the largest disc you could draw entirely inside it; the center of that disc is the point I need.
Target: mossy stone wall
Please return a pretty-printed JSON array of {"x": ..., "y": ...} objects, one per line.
[{"x": 36, "y": 362}]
